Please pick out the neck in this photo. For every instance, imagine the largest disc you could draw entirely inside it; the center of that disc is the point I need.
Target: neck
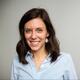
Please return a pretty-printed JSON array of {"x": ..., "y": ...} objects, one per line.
[
  {"x": 39, "y": 57},
  {"x": 39, "y": 54}
]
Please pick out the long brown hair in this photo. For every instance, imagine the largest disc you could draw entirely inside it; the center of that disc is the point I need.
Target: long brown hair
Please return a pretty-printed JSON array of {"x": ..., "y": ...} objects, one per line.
[{"x": 52, "y": 46}]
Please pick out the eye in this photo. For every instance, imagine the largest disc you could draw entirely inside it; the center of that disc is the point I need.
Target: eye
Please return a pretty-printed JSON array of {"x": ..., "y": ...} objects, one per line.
[
  {"x": 27, "y": 30},
  {"x": 39, "y": 30}
]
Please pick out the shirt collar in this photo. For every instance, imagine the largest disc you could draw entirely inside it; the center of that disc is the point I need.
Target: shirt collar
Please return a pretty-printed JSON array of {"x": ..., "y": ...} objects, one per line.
[{"x": 29, "y": 54}]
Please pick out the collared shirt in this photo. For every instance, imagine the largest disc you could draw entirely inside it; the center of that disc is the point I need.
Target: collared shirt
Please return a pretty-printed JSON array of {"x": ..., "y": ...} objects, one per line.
[{"x": 61, "y": 69}]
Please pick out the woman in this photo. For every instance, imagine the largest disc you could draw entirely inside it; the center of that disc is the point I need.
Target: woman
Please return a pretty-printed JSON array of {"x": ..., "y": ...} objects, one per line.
[{"x": 39, "y": 55}]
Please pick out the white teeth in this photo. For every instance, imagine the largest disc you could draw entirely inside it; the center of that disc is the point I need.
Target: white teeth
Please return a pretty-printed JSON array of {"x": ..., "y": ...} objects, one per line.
[{"x": 34, "y": 42}]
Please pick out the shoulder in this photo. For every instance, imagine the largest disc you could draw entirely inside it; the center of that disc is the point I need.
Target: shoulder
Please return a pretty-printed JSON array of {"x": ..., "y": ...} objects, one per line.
[
  {"x": 65, "y": 58},
  {"x": 63, "y": 62},
  {"x": 15, "y": 60},
  {"x": 65, "y": 55}
]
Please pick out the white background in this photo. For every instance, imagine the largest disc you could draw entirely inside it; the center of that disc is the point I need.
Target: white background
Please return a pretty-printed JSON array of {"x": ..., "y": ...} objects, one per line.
[{"x": 65, "y": 16}]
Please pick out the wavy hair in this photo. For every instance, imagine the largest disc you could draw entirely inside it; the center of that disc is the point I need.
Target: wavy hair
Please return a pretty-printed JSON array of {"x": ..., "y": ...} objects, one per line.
[{"x": 53, "y": 44}]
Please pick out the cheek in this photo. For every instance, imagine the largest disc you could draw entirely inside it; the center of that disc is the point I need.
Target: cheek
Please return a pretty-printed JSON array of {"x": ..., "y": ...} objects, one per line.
[
  {"x": 43, "y": 36},
  {"x": 27, "y": 36}
]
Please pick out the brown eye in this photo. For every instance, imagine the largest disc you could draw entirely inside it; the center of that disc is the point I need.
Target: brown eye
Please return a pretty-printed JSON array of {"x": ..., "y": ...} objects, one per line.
[
  {"x": 27, "y": 30},
  {"x": 39, "y": 30}
]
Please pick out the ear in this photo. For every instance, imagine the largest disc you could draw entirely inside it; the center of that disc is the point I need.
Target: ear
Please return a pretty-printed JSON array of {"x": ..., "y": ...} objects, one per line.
[{"x": 47, "y": 34}]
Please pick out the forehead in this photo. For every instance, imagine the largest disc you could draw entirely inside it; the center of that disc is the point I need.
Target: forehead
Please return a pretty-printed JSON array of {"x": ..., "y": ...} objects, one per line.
[{"x": 35, "y": 23}]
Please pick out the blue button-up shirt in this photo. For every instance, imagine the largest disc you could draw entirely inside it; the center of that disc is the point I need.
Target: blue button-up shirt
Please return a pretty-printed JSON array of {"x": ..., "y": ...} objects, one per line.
[{"x": 61, "y": 69}]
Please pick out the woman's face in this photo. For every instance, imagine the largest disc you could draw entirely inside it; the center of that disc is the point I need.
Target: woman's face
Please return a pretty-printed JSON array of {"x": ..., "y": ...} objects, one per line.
[{"x": 35, "y": 33}]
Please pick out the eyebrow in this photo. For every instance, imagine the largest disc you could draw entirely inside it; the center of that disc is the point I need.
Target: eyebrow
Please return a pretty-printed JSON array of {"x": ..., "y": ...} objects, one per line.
[{"x": 32, "y": 28}]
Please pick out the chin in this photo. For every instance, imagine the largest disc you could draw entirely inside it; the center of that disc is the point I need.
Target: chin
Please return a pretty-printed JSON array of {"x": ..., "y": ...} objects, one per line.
[{"x": 35, "y": 49}]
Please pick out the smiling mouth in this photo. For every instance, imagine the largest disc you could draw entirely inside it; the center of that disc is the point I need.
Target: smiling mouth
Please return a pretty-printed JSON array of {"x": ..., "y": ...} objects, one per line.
[{"x": 34, "y": 43}]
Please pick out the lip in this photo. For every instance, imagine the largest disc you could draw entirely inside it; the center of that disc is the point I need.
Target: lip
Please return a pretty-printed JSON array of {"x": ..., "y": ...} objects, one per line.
[{"x": 34, "y": 43}]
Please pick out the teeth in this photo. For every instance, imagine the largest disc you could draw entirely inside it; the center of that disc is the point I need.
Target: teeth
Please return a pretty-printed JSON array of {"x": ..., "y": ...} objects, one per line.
[{"x": 34, "y": 42}]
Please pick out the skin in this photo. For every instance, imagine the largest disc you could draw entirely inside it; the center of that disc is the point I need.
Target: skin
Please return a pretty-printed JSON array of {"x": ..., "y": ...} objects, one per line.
[{"x": 35, "y": 34}]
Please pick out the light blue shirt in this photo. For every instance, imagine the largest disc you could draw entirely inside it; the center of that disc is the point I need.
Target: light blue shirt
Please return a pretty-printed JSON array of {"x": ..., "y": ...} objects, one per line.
[{"x": 61, "y": 69}]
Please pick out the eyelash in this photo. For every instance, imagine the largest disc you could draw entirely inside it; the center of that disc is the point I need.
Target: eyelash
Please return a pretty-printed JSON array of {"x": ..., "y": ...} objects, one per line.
[
  {"x": 29, "y": 30},
  {"x": 39, "y": 30}
]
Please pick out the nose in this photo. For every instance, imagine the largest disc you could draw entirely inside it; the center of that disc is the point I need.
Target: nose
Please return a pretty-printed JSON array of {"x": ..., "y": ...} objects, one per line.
[{"x": 33, "y": 35}]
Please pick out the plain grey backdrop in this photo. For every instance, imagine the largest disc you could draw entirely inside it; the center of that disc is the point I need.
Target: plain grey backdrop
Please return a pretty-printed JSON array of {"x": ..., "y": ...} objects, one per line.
[{"x": 65, "y": 16}]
